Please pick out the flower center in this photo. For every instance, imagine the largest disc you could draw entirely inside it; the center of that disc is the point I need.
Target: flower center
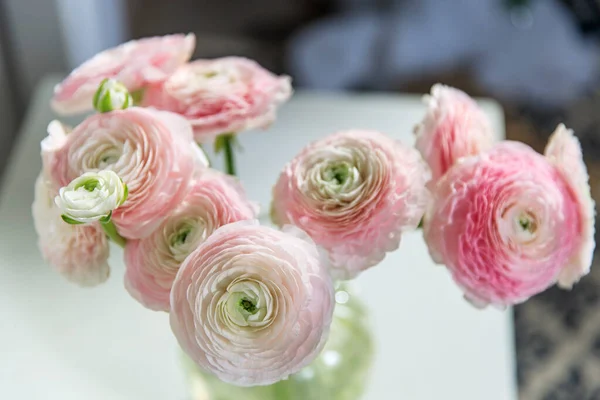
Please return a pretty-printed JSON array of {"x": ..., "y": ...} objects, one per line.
[
  {"x": 525, "y": 226},
  {"x": 109, "y": 157},
  {"x": 179, "y": 238},
  {"x": 185, "y": 237},
  {"x": 248, "y": 306},
  {"x": 89, "y": 184},
  {"x": 246, "y": 303},
  {"x": 338, "y": 174}
]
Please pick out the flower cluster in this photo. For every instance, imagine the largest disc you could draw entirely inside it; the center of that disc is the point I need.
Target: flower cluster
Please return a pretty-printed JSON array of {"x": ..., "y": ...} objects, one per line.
[
  {"x": 253, "y": 304},
  {"x": 506, "y": 221}
]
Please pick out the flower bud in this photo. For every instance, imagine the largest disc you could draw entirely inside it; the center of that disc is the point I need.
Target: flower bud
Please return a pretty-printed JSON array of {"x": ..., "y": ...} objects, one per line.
[
  {"x": 112, "y": 95},
  {"x": 91, "y": 197}
]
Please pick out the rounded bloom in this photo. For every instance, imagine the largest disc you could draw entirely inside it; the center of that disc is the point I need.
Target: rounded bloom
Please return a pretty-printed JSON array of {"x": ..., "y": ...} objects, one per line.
[
  {"x": 564, "y": 151},
  {"x": 354, "y": 193},
  {"x": 135, "y": 64},
  {"x": 226, "y": 95},
  {"x": 252, "y": 304},
  {"x": 215, "y": 200},
  {"x": 504, "y": 223},
  {"x": 78, "y": 252},
  {"x": 91, "y": 197},
  {"x": 454, "y": 127},
  {"x": 112, "y": 95},
  {"x": 150, "y": 150}
]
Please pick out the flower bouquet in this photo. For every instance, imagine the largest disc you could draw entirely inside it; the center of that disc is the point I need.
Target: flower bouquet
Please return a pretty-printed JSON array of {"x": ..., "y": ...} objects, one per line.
[{"x": 261, "y": 305}]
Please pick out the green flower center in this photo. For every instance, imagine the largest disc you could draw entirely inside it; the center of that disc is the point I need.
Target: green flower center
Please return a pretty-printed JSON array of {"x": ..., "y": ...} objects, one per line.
[
  {"x": 248, "y": 306},
  {"x": 89, "y": 184},
  {"x": 338, "y": 173},
  {"x": 527, "y": 223},
  {"x": 180, "y": 236}
]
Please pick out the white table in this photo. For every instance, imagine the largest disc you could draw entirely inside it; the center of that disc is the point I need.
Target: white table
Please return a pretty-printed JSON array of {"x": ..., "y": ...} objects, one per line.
[{"x": 58, "y": 341}]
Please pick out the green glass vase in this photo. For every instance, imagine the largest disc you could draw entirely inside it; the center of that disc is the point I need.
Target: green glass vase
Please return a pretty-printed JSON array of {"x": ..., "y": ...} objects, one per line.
[{"x": 339, "y": 373}]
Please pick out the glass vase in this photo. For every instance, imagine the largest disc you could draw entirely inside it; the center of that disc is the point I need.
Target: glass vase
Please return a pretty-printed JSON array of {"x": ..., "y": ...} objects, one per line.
[{"x": 339, "y": 373}]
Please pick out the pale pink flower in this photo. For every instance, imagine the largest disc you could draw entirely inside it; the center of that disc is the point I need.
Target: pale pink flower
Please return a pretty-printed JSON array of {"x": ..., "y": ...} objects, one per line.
[
  {"x": 505, "y": 223},
  {"x": 564, "y": 151},
  {"x": 151, "y": 151},
  {"x": 225, "y": 95},
  {"x": 135, "y": 64},
  {"x": 215, "y": 199},
  {"x": 78, "y": 252},
  {"x": 454, "y": 127},
  {"x": 252, "y": 304},
  {"x": 354, "y": 193}
]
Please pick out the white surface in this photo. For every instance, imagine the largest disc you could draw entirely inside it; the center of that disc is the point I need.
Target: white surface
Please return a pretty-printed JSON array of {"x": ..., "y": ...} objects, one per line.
[{"x": 58, "y": 341}]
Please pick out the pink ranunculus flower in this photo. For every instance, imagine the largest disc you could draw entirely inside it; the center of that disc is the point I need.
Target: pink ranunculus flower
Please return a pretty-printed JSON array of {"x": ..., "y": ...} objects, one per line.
[
  {"x": 151, "y": 151},
  {"x": 78, "y": 252},
  {"x": 505, "y": 223},
  {"x": 135, "y": 64},
  {"x": 225, "y": 95},
  {"x": 252, "y": 304},
  {"x": 354, "y": 193},
  {"x": 215, "y": 200},
  {"x": 454, "y": 127},
  {"x": 564, "y": 151}
]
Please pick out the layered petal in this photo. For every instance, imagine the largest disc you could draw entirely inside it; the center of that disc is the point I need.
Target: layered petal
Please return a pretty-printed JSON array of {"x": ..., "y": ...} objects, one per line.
[
  {"x": 252, "y": 304},
  {"x": 151, "y": 151},
  {"x": 453, "y": 127},
  {"x": 564, "y": 151},
  {"x": 214, "y": 200},
  {"x": 505, "y": 223},
  {"x": 135, "y": 64},
  {"x": 78, "y": 252},
  {"x": 225, "y": 95},
  {"x": 354, "y": 193}
]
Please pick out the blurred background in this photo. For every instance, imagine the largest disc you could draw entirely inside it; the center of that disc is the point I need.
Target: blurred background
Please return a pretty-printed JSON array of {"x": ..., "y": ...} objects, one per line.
[{"x": 539, "y": 58}]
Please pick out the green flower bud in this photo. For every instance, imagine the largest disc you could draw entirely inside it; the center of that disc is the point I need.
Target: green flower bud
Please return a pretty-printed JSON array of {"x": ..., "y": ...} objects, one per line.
[{"x": 112, "y": 95}]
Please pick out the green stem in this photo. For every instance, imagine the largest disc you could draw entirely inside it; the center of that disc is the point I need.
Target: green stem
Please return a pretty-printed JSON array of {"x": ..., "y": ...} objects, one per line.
[
  {"x": 111, "y": 231},
  {"x": 228, "y": 140}
]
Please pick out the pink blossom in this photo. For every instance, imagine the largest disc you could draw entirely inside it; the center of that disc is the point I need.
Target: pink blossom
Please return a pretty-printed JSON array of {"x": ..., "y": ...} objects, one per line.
[
  {"x": 564, "y": 151},
  {"x": 454, "y": 127},
  {"x": 135, "y": 64},
  {"x": 151, "y": 151},
  {"x": 152, "y": 263},
  {"x": 78, "y": 252},
  {"x": 354, "y": 193},
  {"x": 252, "y": 304},
  {"x": 226, "y": 95},
  {"x": 505, "y": 223}
]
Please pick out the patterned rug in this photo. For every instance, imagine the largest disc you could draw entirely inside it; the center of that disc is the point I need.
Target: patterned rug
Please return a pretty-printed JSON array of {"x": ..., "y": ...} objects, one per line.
[{"x": 558, "y": 332}]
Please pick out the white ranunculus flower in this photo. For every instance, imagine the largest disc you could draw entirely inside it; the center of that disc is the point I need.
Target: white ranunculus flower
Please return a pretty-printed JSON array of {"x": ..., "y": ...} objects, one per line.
[
  {"x": 78, "y": 252},
  {"x": 91, "y": 197}
]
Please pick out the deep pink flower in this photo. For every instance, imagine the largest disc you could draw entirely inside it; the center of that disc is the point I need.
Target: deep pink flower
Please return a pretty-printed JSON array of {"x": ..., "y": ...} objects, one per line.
[
  {"x": 454, "y": 127},
  {"x": 505, "y": 223}
]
